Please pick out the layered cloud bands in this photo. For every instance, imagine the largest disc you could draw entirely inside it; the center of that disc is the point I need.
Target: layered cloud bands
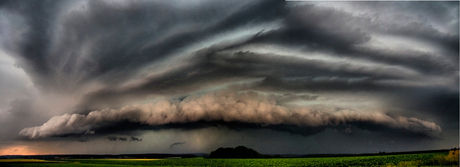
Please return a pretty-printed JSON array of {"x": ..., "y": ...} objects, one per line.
[{"x": 246, "y": 107}]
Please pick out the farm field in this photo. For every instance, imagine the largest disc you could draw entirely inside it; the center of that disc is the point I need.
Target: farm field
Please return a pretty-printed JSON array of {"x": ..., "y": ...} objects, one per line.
[{"x": 425, "y": 159}]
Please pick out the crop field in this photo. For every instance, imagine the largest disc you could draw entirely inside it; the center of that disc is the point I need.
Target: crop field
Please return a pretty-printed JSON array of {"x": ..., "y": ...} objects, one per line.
[{"x": 425, "y": 159}]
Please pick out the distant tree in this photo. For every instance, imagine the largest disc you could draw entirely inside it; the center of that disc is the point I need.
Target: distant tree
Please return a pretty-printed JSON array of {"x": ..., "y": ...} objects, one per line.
[{"x": 238, "y": 152}]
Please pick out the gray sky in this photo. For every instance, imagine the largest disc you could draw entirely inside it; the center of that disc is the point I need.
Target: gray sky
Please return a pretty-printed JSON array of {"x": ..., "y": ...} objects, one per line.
[{"x": 191, "y": 76}]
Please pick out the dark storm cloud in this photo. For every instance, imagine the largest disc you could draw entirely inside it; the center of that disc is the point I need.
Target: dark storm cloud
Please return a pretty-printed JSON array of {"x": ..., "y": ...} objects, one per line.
[
  {"x": 421, "y": 61},
  {"x": 32, "y": 45},
  {"x": 308, "y": 24},
  {"x": 418, "y": 30},
  {"x": 217, "y": 68},
  {"x": 332, "y": 30},
  {"x": 134, "y": 139},
  {"x": 327, "y": 28},
  {"x": 292, "y": 129},
  {"x": 86, "y": 43},
  {"x": 21, "y": 113},
  {"x": 248, "y": 107},
  {"x": 133, "y": 64},
  {"x": 115, "y": 138},
  {"x": 317, "y": 27},
  {"x": 112, "y": 138},
  {"x": 430, "y": 104},
  {"x": 425, "y": 17}
]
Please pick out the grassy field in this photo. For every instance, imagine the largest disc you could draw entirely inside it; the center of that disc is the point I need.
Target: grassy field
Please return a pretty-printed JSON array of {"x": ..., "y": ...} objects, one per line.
[{"x": 426, "y": 159}]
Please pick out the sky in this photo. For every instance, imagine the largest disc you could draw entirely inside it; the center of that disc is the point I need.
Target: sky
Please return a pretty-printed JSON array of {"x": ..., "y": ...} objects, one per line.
[{"x": 180, "y": 76}]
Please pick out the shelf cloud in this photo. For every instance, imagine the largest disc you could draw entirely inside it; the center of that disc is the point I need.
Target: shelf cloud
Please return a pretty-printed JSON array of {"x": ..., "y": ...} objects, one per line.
[{"x": 248, "y": 107}]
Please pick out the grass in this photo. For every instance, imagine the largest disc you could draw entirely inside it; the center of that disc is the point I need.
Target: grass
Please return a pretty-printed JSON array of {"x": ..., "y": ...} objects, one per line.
[
  {"x": 131, "y": 159},
  {"x": 425, "y": 159}
]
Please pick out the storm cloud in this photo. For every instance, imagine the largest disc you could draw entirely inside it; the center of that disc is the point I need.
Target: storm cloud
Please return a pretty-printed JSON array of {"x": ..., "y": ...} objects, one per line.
[
  {"x": 115, "y": 138},
  {"x": 176, "y": 144},
  {"x": 229, "y": 107},
  {"x": 93, "y": 67}
]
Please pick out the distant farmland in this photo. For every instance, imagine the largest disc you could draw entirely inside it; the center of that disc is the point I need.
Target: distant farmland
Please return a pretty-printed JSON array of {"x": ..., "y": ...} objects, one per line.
[{"x": 422, "y": 159}]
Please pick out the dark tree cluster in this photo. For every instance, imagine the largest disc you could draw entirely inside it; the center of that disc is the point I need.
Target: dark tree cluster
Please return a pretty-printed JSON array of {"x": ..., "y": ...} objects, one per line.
[{"x": 237, "y": 152}]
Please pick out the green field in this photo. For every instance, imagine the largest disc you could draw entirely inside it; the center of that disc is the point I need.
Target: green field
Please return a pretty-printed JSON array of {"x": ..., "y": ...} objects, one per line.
[{"x": 426, "y": 159}]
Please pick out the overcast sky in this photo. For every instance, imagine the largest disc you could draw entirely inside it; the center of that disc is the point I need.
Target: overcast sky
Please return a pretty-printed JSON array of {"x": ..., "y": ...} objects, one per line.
[{"x": 183, "y": 76}]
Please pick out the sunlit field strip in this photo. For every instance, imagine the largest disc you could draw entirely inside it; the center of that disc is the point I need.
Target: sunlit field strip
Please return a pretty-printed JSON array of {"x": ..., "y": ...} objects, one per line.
[{"x": 26, "y": 161}]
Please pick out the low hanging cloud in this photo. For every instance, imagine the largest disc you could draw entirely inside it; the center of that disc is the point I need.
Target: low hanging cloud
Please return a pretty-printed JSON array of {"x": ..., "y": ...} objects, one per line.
[
  {"x": 115, "y": 138},
  {"x": 247, "y": 107},
  {"x": 176, "y": 144}
]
